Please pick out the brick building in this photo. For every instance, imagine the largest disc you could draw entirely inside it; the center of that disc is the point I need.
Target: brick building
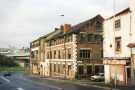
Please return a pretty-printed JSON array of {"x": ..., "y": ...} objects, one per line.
[{"x": 72, "y": 51}]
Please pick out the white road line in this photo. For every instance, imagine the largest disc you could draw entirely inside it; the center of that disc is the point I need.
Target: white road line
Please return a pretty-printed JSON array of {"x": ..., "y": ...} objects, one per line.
[
  {"x": 5, "y": 79},
  {"x": 20, "y": 89},
  {"x": 54, "y": 87}
]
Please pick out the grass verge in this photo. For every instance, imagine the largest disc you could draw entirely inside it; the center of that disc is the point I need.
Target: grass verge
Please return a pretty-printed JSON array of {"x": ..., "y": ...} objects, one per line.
[{"x": 11, "y": 69}]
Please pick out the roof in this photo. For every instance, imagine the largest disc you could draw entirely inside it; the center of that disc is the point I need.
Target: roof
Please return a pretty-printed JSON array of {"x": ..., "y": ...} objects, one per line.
[
  {"x": 44, "y": 36},
  {"x": 74, "y": 29},
  {"x": 54, "y": 34},
  {"x": 120, "y": 13}
]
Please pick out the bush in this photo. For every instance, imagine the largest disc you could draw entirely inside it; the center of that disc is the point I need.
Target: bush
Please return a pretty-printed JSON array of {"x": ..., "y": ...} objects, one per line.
[{"x": 7, "y": 61}]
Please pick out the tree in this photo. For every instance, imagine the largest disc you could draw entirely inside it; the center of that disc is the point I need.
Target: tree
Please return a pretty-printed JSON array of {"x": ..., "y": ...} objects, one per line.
[{"x": 7, "y": 61}]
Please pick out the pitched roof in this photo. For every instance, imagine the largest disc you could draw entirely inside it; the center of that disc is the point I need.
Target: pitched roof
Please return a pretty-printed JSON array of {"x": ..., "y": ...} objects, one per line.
[
  {"x": 120, "y": 13},
  {"x": 74, "y": 29}
]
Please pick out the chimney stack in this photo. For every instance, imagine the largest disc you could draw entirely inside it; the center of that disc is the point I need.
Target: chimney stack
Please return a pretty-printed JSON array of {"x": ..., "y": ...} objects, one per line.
[{"x": 66, "y": 28}]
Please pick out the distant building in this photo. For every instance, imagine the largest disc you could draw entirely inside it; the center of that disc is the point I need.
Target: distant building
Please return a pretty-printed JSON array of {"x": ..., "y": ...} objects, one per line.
[
  {"x": 5, "y": 51},
  {"x": 70, "y": 51},
  {"x": 21, "y": 56}
]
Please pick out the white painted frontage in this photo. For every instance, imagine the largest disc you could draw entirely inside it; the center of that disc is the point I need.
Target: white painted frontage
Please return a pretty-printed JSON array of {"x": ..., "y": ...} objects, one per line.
[
  {"x": 110, "y": 33},
  {"x": 127, "y": 34}
]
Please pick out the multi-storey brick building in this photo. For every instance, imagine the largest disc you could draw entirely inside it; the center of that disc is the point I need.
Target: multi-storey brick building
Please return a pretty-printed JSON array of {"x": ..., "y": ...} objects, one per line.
[{"x": 74, "y": 51}]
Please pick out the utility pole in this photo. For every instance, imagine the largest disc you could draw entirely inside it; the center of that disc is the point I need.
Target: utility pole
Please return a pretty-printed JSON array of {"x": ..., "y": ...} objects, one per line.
[
  {"x": 65, "y": 76},
  {"x": 114, "y": 9}
]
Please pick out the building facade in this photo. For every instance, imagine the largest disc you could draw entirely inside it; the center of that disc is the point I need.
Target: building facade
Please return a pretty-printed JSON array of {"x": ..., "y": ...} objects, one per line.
[
  {"x": 118, "y": 34},
  {"x": 70, "y": 51}
]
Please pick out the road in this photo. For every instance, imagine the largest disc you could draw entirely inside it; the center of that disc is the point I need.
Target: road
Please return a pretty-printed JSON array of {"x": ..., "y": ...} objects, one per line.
[{"x": 18, "y": 81}]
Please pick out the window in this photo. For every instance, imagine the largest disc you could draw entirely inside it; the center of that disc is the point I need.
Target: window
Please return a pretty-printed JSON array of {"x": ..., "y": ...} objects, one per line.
[
  {"x": 98, "y": 38},
  {"x": 117, "y": 24},
  {"x": 69, "y": 68},
  {"x": 36, "y": 52},
  {"x": 69, "y": 53},
  {"x": 32, "y": 54},
  {"x": 118, "y": 44},
  {"x": 89, "y": 70},
  {"x": 82, "y": 36},
  {"x": 91, "y": 38},
  {"x": 98, "y": 27},
  {"x": 54, "y": 67},
  {"x": 50, "y": 55},
  {"x": 55, "y": 54},
  {"x": 58, "y": 68},
  {"x": 85, "y": 53},
  {"x": 68, "y": 38},
  {"x": 59, "y": 57},
  {"x": 80, "y": 70}
]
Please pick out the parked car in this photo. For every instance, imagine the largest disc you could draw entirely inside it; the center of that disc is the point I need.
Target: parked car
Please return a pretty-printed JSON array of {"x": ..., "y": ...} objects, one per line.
[
  {"x": 7, "y": 74},
  {"x": 97, "y": 77}
]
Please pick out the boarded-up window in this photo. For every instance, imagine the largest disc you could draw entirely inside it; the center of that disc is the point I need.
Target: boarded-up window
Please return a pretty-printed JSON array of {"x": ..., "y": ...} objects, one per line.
[{"x": 118, "y": 44}]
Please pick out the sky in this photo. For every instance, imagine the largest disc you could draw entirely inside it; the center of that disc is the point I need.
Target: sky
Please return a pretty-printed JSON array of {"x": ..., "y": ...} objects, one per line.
[{"x": 22, "y": 21}]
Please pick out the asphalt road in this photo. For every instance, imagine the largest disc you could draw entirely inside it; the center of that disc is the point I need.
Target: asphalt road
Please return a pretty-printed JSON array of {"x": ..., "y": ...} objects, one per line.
[{"x": 18, "y": 81}]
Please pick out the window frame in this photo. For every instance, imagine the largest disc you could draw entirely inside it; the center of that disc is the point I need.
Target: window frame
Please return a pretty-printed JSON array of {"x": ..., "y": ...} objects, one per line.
[{"x": 118, "y": 48}]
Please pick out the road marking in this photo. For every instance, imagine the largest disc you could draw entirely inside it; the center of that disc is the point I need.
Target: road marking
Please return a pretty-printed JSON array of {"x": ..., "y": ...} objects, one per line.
[
  {"x": 54, "y": 87},
  {"x": 5, "y": 79},
  {"x": 20, "y": 89}
]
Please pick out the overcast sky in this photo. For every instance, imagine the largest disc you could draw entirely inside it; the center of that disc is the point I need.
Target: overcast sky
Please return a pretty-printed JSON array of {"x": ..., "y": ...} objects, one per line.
[{"x": 22, "y": 21}]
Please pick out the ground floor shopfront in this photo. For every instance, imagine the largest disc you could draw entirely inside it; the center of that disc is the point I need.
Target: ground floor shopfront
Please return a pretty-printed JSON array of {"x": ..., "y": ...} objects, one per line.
[{"x": 117, "y": 71}]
